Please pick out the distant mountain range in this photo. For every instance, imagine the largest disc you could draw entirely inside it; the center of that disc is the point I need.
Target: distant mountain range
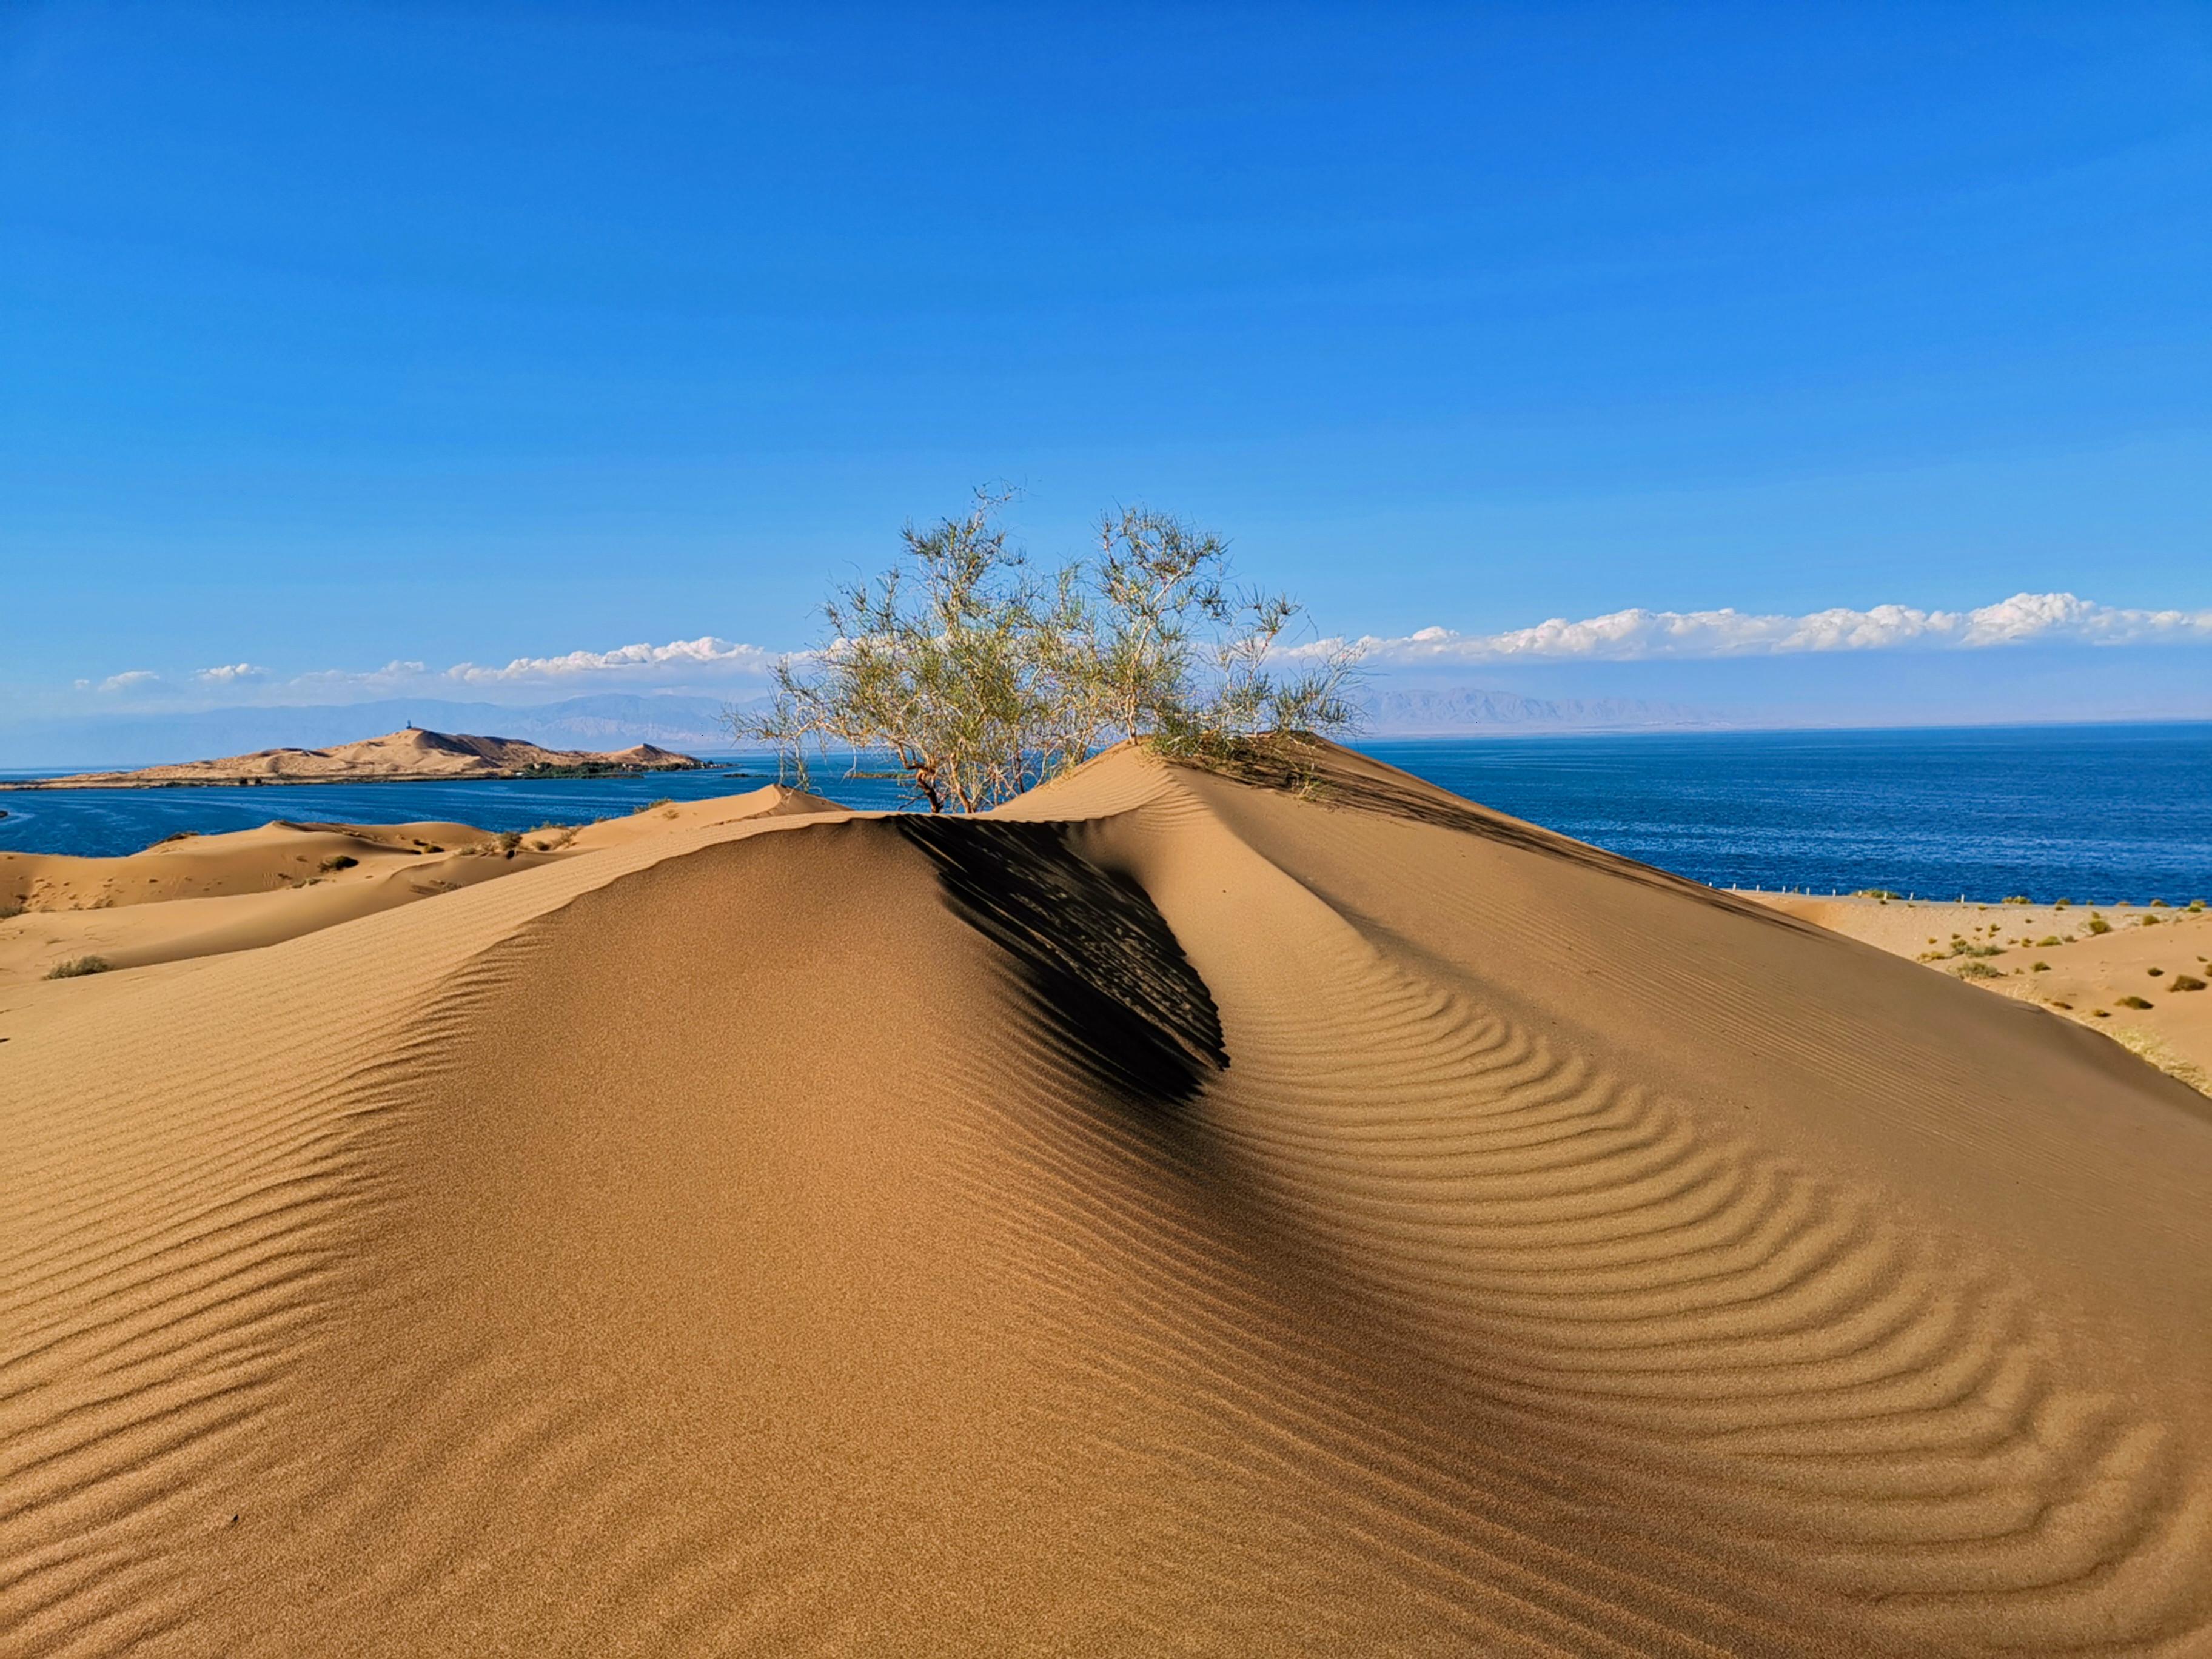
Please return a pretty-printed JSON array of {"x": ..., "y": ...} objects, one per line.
[
  {"x": 615, "y": 719},
  {"x": 1424, "y": 712}
]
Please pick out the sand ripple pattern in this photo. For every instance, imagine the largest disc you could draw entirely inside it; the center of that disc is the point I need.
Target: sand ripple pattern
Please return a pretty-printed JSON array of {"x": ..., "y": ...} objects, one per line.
[
  {"x": 1095, "y": 1234},
  {"x": 1833, "y": 1417}
]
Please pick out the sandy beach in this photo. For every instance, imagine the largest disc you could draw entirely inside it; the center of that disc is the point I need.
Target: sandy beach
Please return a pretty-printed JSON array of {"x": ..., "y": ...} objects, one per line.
[{"x": 1170, "y": 1213}]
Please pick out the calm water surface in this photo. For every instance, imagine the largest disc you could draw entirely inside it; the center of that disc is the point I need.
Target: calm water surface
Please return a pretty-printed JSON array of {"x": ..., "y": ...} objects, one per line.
[
  {"x": 2101, "y": 813},
  {"x": 2104, "y": 813}
]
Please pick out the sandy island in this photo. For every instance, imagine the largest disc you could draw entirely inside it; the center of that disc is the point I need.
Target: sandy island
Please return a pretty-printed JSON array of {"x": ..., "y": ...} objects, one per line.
[
  {"x": 1173, "y": 1214},
  {"x": 412, "y": 755}
]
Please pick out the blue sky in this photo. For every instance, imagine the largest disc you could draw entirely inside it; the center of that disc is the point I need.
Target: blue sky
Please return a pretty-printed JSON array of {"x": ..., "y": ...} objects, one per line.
[{"x": 332, "y": 337}]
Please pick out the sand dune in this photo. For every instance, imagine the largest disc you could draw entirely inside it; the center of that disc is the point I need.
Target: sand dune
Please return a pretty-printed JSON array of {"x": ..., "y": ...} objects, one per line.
[
  {"x": 196, "y": 896},
  {"x": 410, "y": 755},
  {"x": 1169, "y": 1215}
]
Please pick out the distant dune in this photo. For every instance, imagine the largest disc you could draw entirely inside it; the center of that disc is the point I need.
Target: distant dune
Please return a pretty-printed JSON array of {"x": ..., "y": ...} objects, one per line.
[
  {"x": 1299, "y": 1213},
  {"x": 411, "y": 755}
]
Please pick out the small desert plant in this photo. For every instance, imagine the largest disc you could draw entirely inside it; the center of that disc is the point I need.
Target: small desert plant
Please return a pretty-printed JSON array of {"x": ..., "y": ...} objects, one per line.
[
  {"x": 2040, "y": 968},
  {"x": 2149, "y": 921},
  {"x": 2159, "y": 904},
  {"x": 1980, "y": 970},
  {"x": 652, "y": 806},
  {"x": 10, "y": 911},
  {"x": 2017, "y": 898},
  {"x": 509, "y": 841},
  {"x": 2187, "y": 982},
  {"x": 981, "y": 680},
  {"x": 2155, "y": 973},
  {"x": 2196, "y": 904},
  {"x": 2133, "y": 1002},
  {"x": 2099, "y": 925},
  {"x": 340, "y": 861},
  {"x": 78, "y": 967},
  {"x": 2046, "y": 941},
  {"x": 2060, "y": 904}
]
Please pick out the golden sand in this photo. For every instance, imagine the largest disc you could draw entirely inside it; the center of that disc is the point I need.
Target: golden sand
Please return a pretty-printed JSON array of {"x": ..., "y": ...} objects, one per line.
[{"x": 1169, "y": 1215}]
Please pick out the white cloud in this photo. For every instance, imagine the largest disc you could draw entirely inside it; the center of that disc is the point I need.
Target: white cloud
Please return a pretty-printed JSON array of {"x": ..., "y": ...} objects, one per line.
[
  {"x": 705, "y": 652},
  {"x": 1631, "y": 635},
  {"x": 1620, "y": 635}
]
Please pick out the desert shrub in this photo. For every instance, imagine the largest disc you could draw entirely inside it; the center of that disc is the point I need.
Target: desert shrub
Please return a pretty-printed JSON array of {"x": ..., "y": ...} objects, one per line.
[
  {"x": 2187, "y": 982},
  {"x": 2155, "y": 973},
  {"x": 2196, "y": 904},
  {"x": 509, "y": 841},
  {"x": 2099, "y": 925},
  {"x": 2017, "y": 898},
  {"x": 1960, "y": 947},
  {"x": 1980, "y": 970},
  {"x": 340, "y": 861},
  {"x": 980, "y": 679},
  {"x": 10, "y": 911},
  {"x": 2149, "y": 921},
  {"x": 2040, "y": 968},
  {"x": 2132, "y": 1002},
  {"x": 2046, "y": 941},
  {"x": 2159, "y": 904},
  {"x": 78, "y": 967},
  {"x": 2060, "y": 904}
]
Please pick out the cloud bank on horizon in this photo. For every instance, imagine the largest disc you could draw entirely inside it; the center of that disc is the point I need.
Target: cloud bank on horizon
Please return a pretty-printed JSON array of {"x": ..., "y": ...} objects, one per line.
[
  {"x": 1629, "y": 636},
  {"x": 1642, "y": 636}
]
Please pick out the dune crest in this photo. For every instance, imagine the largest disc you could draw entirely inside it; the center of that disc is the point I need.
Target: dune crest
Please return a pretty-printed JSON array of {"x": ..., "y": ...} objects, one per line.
[{"x": 1174, "y": 1212}]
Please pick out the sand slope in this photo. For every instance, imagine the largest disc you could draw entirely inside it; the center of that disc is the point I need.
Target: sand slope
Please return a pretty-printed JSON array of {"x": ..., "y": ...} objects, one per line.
[
  {"x": 1170, "y": 1216},
  {"x": 197, "y": 896},
  {"x": 2144, "y": 980}
]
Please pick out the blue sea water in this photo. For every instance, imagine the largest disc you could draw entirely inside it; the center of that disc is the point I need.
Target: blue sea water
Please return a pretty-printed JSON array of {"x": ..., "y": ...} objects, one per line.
[{"x": 2101, "y": 813}]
